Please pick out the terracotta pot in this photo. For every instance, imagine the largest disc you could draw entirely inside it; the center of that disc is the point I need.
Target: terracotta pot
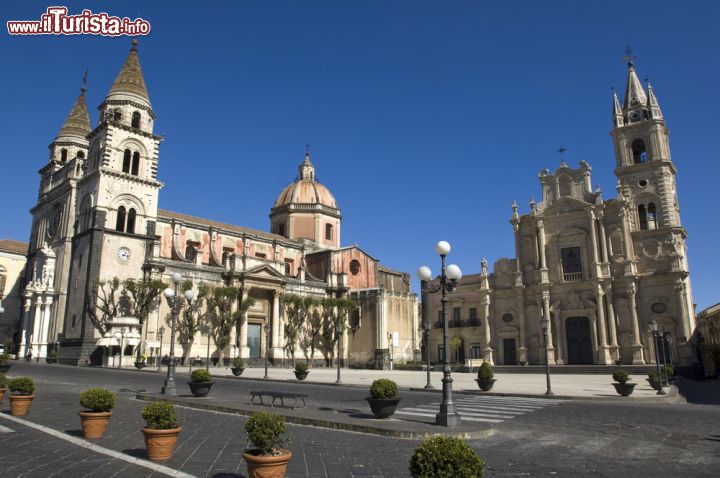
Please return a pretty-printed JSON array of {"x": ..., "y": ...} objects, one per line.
[
  {"x": 160, "y": 443},
  {"x": 2, "y": 393},
  {"x": 94, "y": 423},
  {"x": 267, "y": 466},
  {"x": 383, "y": 407},
  {"x": 20, "y": 404}
]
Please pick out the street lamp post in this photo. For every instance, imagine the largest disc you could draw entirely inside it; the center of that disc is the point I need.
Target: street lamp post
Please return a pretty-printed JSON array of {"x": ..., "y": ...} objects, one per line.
[
  {"x": 266, "y": 327},
  {"x": 448, "y": 415},
  {"x": 170, "y": 388},
  {"x": 118, "y": 337},
  {"x": 338, "y": 331},
  {"x": 654, "y": 329},
  {"x": 207, "y": 357},
  {"x": 161, "y": 332},
  {"x": 426, "y": 333},
  {"x": 545, "y": 323}
]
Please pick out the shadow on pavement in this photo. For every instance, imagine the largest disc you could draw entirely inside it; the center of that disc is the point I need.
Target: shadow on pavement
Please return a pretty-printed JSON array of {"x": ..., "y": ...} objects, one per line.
[
  {"x": 136, "y": 452},
  {"x": 227, "y": 475},
  {"x": 75, "y": 433},
  {"x": 706, "y": 392}
]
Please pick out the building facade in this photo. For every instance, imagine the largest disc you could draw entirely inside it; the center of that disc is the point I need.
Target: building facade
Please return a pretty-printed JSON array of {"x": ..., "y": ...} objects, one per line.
[
  {"x": 12, "y": 274},
  {"x": 598, "y": 269},
  {"x": 97, "y": 217}
]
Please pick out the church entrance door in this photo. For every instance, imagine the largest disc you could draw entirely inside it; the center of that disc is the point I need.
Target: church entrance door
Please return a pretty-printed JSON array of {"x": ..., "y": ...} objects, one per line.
[
  {"x": 253, "y": 340},
  {"x": 509, "y": 352},
  {"x": 579, "y": 345}
]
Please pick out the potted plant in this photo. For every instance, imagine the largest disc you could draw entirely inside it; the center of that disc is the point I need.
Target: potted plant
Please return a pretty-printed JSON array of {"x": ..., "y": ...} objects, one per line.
[
  {"x": 52, "y": 357},
  {"x": 98, "y": 404},
  {"x": 238, "y": 366},
  {"x": 22, "y": 395},
  {"x": 669, "y": 373},
  {"x": 622, "y": 386},
  {"x": 383, "y": 400},
  {"x": 654, "y": 380},
  {"x": 200, "y": 382},
  {"x": 162, "y": 430},
  {"x": 267, "y": 458},
  {"x": 141, "y": 362},
  {"x": 445, "y": 456},
  {"x": 485, "y": 378},
  {"x": 4, "y": 365},
  {"x": 3, "y": 385},
  {"x": 301, "y": 370}
]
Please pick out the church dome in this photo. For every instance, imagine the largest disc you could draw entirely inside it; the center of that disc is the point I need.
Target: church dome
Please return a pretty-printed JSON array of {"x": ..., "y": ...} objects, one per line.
[{"x": 306, "y": 190}]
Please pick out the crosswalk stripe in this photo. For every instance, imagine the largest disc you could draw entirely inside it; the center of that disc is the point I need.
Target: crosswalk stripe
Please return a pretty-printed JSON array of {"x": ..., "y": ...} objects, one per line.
[
  {"x": 468, "y": 411},
  {"x": 498, "y": 407},
  {"x": 472, "y": 419}
]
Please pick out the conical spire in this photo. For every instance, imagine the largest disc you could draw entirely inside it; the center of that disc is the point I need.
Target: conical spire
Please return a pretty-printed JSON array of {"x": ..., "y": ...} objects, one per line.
[
  {"x": 634, "y": 93},
  {"x": 617, "y": 111},
  {"x": 78, "y": 121},
  {"x": 653, "y": 106},
  {"x": 130, "y": 79},
  {"x": 306, "y": 169}
]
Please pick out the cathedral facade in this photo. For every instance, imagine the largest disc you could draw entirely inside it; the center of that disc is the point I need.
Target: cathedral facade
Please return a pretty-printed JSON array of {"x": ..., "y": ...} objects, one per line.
[
  {"x": 599, "y": 270},
  {"x": 97, "y": 217}
]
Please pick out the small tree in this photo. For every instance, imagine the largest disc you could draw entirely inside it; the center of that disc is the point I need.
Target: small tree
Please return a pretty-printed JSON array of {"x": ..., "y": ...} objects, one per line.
[
  {"x": 297, "y": 310},
  {"x": 142, "y": 296},
  {"x": 102, "y": 303},
  {"x": 190, "y": 317},
  {"x": 221, "y": 316},
  {"x": 339, "y": 312}
]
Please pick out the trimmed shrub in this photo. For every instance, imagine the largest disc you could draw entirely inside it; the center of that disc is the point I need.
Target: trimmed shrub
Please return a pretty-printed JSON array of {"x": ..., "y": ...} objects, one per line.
[
  {"x": 266, "y": 431},
  {"x": 621, "y": 376},
  {"x": 301, "y": 367},
  {"x": 485, "y": 372},
  {"x": 4, "y": 358},
  {"x": 98, "y": 399},
  {"x": 160, "y": 416},
  {"x": 200, "y": 376},
  {"x": 238, "y": 362},
  {"x": 669, "y": 370},
  {"x": 383, "y": 388},
  {"x": 653, "y": 376},
  {"x": 445, "y": 457},
  {"x": 22, "y": 385},
  {"x": 3, "y": 381}
]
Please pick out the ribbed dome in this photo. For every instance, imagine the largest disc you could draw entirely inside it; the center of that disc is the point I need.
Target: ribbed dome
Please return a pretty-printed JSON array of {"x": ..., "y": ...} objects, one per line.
[{"x": 306, "y": 190}]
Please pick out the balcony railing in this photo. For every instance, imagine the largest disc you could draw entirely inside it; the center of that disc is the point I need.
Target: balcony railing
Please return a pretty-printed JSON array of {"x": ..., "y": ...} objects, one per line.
[
  {"x": 572, "y": 276},
  {"x": 455, "y": 323},
  {"x": 473, "y": 322}
]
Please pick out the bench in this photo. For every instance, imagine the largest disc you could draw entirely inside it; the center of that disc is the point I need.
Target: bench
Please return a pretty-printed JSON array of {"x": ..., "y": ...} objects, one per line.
[{"x": 277, "y": 395}]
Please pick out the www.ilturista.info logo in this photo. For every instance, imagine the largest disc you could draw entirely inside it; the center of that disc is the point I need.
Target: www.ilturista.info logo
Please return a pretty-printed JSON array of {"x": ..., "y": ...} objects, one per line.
[{"x": 56, "y": 21}]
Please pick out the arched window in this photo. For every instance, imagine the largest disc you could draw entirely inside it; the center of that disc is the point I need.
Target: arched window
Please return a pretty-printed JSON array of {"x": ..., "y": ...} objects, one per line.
[
  {"x": 639, "y": 151},
  {"x": 642, "y": 216},
  {"x": 565, "y": 186},
  {"x": 81, "y": 154},
  {"x": 651, "y": 216},
  {"x": 120, "y": 223},
  {"x": 63, "y": 155},
  {"x": 117, "y": 115},
  {"x": 135, "y": 163},
  {"x": 126, "y": 161},
  {"x": 131, "y": 221},
  {"x": 328, "y": 232},
  {"x": 190, "y": 252},
  {"x": 135, "y": 120},
  {"x": 281, "y": 229}
]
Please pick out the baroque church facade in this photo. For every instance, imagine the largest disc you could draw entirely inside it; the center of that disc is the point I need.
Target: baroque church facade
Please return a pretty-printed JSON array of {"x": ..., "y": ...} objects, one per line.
[
  {"x": 598, "y": 269},
  {"x": 97, "y": 217}
]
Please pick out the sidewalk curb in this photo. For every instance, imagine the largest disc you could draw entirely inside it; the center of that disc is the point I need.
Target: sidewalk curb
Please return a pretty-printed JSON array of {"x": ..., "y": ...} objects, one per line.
[{"x": 317, "y": 422}]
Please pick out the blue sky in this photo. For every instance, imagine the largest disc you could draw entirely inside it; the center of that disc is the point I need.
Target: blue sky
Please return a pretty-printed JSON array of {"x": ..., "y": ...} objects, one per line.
[{"x": 425, "y": 119}]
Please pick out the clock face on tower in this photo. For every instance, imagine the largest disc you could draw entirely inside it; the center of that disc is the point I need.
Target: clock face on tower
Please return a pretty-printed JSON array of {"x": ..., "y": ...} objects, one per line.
[{"x": 123, "y": 254}]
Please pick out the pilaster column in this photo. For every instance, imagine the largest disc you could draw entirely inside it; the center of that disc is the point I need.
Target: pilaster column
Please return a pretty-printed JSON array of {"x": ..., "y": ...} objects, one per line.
[
  {"x": 637, "y": 346},
  {"x": 560, "y": 355},
  {"x": 243, "y": 349},
  {"x": 603, "y": 241},
  {"x": 523, "y": 325},
  {"x": 487, "y": 350},
  {"x": 594, "y": 244},
  {"x": 45, "y": 326},
  {"x": 276, "y": 346},
  {"x": 603, "y": 356},
  {"x": 24, "y": 338},
  {"x": 546, "y": 313},
  {"x": 627, "y": 239},
  {"x": 518, "y": 266},
  {"x": 614, "y": 349},
  {"x": 544, "y": 278},
  {"x": 381, "y": 335},
  {"x": 682, "y": 308},
  {"x": 37, "y": 321}
]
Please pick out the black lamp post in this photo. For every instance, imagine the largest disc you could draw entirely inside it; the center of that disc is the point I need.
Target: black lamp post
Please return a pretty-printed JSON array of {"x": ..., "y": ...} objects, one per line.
[
  {"x": 448, "y": 415},
  {"x": 426, "y": 333},
  {"x": 655, "y": 330},
  {"x": 338, "y": 331},
  {"x": 170, "y": 388},
  {"x": 267, "y": 346},
  {"x": 544, "y": 323},
  {"x": 160, "y": 333}
]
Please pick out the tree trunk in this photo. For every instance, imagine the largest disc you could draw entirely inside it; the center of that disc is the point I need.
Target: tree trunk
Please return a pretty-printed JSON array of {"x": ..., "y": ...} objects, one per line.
[{"x": 187, "y": 347}]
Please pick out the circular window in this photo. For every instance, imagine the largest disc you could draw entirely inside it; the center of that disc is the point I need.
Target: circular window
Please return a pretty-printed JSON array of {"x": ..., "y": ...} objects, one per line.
[
  {"x": 354, "y": 267},
  {"x": 643, "y": 183},
  {"x": 658, "y": 307},
  {"x": 507, "y": 318}
]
